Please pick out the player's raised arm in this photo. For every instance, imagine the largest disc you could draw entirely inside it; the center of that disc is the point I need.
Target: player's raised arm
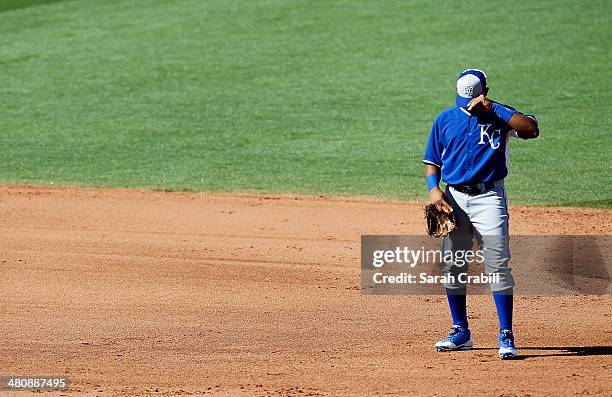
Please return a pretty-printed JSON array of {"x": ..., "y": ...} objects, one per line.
[{"x": 526, "y": 127}]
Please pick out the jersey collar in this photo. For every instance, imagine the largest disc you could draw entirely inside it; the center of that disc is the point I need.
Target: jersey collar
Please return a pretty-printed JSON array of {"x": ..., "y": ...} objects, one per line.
[
  {"x": 462, "y": 102},
  {"x": 464, "y": 110}
]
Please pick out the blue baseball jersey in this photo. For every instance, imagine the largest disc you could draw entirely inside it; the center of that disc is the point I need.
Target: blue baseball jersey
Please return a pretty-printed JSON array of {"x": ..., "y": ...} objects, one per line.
[{"x": 469, "y": 149}]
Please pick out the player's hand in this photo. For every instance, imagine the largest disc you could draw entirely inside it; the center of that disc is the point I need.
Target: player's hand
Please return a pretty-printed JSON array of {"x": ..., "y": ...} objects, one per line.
[
  {"x": 480, "y": 104},
  {"x": 437, "y": 198}
]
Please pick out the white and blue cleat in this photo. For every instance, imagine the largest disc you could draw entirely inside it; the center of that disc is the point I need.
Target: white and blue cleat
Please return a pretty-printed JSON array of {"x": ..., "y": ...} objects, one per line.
[
  {"x": 460, "y": 338},
  {"x": 507, "y": 350}
]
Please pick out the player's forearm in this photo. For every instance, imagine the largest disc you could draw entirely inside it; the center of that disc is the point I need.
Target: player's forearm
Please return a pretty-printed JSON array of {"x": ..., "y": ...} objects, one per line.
[
  {"x": 436, "y": 196},
  {"x": 525, "y": 127},
  {"x": 432, "y": 176},
  {"x": 432, "y": 170}
]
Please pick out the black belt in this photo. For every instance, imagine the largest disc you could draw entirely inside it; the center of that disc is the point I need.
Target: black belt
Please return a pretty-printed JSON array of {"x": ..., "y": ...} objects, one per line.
[{"x": 473, "y": 190}]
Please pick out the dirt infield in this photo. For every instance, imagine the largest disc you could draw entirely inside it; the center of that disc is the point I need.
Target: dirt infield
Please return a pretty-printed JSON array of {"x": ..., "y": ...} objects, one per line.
[{"x": 134, "y": 293}]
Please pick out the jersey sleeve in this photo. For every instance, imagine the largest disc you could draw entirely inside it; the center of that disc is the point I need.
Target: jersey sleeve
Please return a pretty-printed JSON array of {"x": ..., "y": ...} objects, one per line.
[{"x": 434, "y": 148}]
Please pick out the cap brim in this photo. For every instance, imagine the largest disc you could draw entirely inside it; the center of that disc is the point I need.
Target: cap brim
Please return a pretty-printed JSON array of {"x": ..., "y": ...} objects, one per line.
[{"x": 463, "y": 102}]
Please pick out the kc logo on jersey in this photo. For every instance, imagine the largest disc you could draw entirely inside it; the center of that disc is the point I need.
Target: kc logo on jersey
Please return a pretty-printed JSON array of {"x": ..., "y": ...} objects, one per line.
[{"x": 484, "y": 131}]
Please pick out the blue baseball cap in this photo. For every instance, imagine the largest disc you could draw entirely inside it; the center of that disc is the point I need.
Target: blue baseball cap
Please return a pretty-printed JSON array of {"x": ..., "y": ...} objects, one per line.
[{"x": 470, "y": 84}]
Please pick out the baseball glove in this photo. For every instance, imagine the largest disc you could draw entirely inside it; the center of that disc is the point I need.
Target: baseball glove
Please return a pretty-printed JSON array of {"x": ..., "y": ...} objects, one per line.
[{"x": 439, "y": 223}]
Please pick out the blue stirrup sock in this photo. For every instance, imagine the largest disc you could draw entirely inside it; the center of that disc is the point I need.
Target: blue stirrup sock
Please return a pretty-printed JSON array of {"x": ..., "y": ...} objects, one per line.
[
  {"x": 504, "y": 302},
  {"x": 458, "y": 307}
]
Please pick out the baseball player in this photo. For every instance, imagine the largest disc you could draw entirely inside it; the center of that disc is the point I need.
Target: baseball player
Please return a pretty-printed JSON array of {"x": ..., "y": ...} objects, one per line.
[{"x": 467, "y": 149}]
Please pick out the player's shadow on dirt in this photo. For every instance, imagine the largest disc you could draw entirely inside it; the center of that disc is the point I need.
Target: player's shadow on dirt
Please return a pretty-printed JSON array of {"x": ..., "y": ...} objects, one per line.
[{"x": 566, "y": 351}]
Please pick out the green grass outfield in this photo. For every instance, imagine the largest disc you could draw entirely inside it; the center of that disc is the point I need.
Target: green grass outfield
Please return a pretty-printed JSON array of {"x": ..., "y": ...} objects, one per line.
[{"x": 331, "y": 97}]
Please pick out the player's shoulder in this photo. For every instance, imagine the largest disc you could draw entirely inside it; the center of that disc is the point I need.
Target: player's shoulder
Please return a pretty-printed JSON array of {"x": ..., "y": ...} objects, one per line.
[
  {"x": 448, "y": 114},
  {"x": 531, "y": 116},
  {"x": 506, "y": 106}
]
